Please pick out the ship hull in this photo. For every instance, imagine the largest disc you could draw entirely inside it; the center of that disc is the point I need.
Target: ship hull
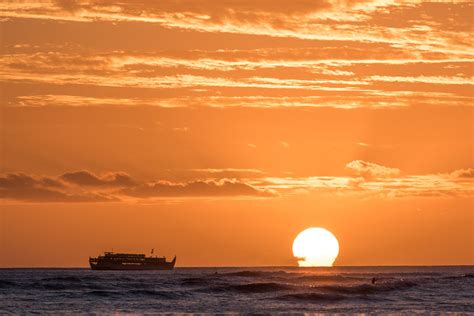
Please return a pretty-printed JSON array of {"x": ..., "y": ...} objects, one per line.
[{"x": 131, "y": 268}]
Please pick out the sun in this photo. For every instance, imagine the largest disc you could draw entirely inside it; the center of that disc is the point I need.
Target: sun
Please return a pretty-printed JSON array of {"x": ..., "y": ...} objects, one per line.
[{"x": 315, "y": 247}]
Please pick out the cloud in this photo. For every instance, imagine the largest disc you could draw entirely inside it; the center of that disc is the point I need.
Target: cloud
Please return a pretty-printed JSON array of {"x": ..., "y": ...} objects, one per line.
[
  {"x": 334, "y": 99},
  {"x": 212, "y": 12},
  {"x": 363, "y": 21},
  {"x": 68, "y": 5},
  {"x": 226, "y": 173},
  {"x": 463, "y": 173},
  {"x": 86, "y": 178},
  {"x": 284, "y": 77},
  {"x": 84, "y": 186},
  {"x": 426, "y": 79},
  {"x": 209, "y": 6},
  {"x": 432, "y": 185},
  {"x": 26, "y": 188},
  {"x": 285, "y": 144},
  {"x": 370, "y": 180},
  {"x": 183, "y": 129},
  {"x": 223, "y": 187},
  {"x": 371, "y": 170}
]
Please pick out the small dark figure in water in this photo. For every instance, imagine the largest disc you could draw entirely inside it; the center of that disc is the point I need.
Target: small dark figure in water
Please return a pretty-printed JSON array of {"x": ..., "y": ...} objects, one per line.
[{"x": 374, "y": 280}]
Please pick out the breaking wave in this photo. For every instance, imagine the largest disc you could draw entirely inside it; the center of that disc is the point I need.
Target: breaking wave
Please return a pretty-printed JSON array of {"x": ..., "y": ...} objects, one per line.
[{"x": 341, "y": 292}]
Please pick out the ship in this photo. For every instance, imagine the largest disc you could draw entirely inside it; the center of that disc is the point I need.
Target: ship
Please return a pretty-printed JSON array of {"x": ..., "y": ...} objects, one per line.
[{"x": 130, "y": 261}]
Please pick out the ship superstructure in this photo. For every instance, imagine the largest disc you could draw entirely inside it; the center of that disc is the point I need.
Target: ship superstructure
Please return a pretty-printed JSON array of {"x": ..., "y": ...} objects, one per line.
[{"x": 129, "y": 261}]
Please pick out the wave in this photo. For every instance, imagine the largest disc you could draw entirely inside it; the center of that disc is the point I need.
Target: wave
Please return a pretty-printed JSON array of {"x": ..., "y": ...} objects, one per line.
[
  {"x": 63, "y": 279},
  {"x": 254, "y": 274},
  {"x": 101, "y": 293},
  {"x": 56, "y": 286},
  {"x": 66, "y": 283},
  {"x": 253, "y": 287},
  {"x": 366, "y": 288},
  {"x": 153, "y": 293},
  {"x": 295, "y": 276},
  {"x": 328, "y": 278},
  {"x": 312, "y": 297},
  {"x": 341, "y": 292},
  {"x": 196, "y": 281},
  {"x": 136, "y": 293},
  {"x": 459, "y": 277},
  {"x": 6, "y": 284},
  {"x": 464, "y": 276},
  {"x": 74, "y": 279}
]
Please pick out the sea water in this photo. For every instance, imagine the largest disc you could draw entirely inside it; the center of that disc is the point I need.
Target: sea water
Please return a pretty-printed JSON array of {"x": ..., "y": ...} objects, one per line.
[{"x": 239, "y": 290}]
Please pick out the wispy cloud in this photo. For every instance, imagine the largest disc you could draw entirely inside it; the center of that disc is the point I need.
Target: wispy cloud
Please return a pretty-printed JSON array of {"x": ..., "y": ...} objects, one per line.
[
  {"x": 370, "y": 169},
  {"x": 439, "y": 185},
  {"x": 262, "y": 78},
  {"x": 463, "y": 173},
  {"x": 369, "y": 21}
]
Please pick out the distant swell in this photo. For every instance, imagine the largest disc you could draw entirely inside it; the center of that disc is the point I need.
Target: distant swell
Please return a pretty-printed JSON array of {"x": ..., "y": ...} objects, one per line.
[
  {"x": 67, "y": 280},
  {"x": 254, "y": 274},
  {"x": 153, "y": 293},
  {"x": 66, "y": 283},
  {"x": 254, "y": 288},
  {"x": 329, "y": 278},
  {"x": 312, "y": 297},
  {"x": 6, "y": 284},
  {"x": 464, "y": 276},
  {"x": 196, "y": 281},
  {"x": 101, "y": 293}
]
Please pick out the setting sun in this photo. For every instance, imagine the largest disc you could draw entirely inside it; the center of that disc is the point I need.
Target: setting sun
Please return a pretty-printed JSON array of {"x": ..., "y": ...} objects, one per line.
[{"x": 316, "y": 247}]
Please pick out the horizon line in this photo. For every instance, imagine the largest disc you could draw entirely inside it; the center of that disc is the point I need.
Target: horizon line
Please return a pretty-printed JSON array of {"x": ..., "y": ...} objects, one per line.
[{"x": 237, "y": 267}]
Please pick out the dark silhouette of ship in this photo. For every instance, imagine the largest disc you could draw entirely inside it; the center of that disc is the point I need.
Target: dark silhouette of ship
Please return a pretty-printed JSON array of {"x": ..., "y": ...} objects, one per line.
[{"x": 130, "y": 261}]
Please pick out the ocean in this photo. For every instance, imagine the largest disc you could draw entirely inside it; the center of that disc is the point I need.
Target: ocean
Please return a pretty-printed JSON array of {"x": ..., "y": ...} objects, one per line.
[{"x": 239, "y": 290}]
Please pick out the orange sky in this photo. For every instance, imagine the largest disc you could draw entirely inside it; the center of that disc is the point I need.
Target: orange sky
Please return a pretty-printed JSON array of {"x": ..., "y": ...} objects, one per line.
[{"x": 218, "y": 130}]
